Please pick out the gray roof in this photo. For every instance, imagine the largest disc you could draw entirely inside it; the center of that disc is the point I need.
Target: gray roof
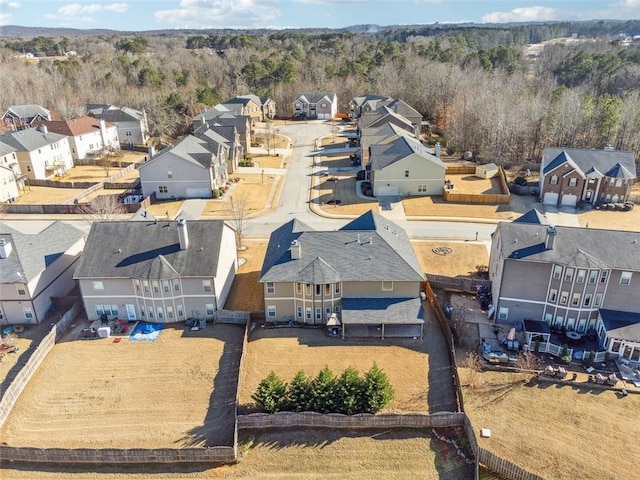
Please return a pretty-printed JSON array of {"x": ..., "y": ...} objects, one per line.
[
  {"x": 212, "y": 112},
  {"x": 114, "y": 114},
  {"x": 212, "y": 136},
  {"x": 6, "y": 149},
  {"x": 381, "y": 116},
  {"x": 150, "y": 250},
  {"x": 190, "y": 149},
  {"x": 241, "y": 122},
  {"x": 32, "y": 253},
  {"x": 587, "y": 160},
  {"x": 370, "y": 248},
  {"x": 621, "y": 325},
  {"x": 402, "y": 108},
  {"x": 367, "y": 97},
  {"x": 30, "y": 139},
  {"x": 532, "y": 216},
  {"x": 244, "y": 99},
  {"x": 28, "y": 111},
  {"x": 315, "y": 97},
  {"x": 372, "y": 311},
  {"x": 573, "y": 246},
  {"x": 397, "y": 148}
]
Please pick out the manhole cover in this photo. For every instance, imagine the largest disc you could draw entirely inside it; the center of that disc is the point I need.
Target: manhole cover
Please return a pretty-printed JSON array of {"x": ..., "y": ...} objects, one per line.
[{"x": 443, "y": 250}]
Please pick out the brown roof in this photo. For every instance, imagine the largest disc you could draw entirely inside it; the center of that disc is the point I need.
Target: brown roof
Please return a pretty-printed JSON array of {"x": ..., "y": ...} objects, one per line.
[{"x": 74, "y": 127}]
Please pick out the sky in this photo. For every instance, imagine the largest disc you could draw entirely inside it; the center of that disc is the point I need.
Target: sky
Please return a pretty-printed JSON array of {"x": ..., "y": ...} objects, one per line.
[{"x": 139, "y": 15}]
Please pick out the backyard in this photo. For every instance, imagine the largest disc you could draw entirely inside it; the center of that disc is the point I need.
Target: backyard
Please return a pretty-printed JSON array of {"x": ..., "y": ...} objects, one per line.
[
  {"x": 246, "y": 293},
  {"x": 460, "y": 258},
  {"x": 254, "y": 191},
  {"x": 101, "y": 393}
]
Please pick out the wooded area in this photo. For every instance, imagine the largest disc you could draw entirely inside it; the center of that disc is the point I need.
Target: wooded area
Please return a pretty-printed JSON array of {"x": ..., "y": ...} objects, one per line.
[{"x": 482, "y": 87}]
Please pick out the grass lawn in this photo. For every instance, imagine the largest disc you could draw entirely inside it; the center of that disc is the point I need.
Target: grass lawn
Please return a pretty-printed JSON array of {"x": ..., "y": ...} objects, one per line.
[
  {"x": 162, "y": 207},
  {"x": 251, "y": 189},
  {"x": 100, "y": 394},
  {"x": 612, "y": 220},
  {"x": 437, "y": 207},
  {"x": 44, "y": 195},
  {"x": 417, "y": 369},
  {"x": 464, "y": 259},
  {"x": 267, "y": 161},
  {"x": 574, "y": 432},
  {"x": 94, "y": 173}
]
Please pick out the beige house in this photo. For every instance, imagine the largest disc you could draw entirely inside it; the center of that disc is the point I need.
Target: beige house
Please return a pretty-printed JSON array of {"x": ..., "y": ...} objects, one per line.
[
  {"x": 156, "y": 271},
  {"x": 366, "y": 274},
  {"x": 35, "y": 265},
  {"x": 258, "y": 108},
  {"x": 323, "y": 106}
]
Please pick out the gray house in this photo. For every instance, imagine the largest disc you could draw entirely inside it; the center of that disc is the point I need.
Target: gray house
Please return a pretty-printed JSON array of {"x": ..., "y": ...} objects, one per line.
[
  {"x": 133, "y": 128},
  {"x": 157, "y": 271},
  {"x": 364, "y": 275},
  {"x": 227, "y": 134},
  {"x": 567, "y": 277},
  {"x": 323, "y": 106},
  {"x": 192, "y": 168},
  {"x": 18, "y": 117}
]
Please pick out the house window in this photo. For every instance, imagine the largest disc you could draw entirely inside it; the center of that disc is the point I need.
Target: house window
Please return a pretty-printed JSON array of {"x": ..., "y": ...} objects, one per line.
[
  {"x": 387, "y": 286},
  {"x": 21, "y": 289},
  {"x": 317, "y": 289},
  {"x": 156, "y": 287},
  {"x": 145, "y": 284},
  {"x": 176, "y": 285},
  {"x": 625, "y": 278},
  {"x": 598, "y": 300},
  {"x": 554, "y": 180},
  {"x": 98, "y": 285},
  {"x": 99, "y": 310},
  {"x": 28, "y": 313},
  {"x": 169, "y": 312},
  {"x": 137, "y": 284},
  {"x": 336, "y": 309},
  {"x": 587, "y": 300},
  {"x": 150, "y": 312},
  {"x": 206, "y": 285},
  {"x": 615, "y": 348},
  {"x": 422, "y": 189},
  {"x": 557, "y": 272},
  {"x": 568, "y": 274},
  {"x": 619, "y": 182},
  {"x": 564, "y": 296},
  {"x": 603, "y": 277},
  {"x": 298, "y": 288},
  {"x": 179, "y": 310},
  {"x": 169, "y": 174},
  {"x": 166, "y": 287},
  {"x": 573, "y": 182},
  {"x": 271, "y": 311},
  {"x": 327, "y": 311},
  {"x": 592, "y": 180},
  {"x": 327, "y": 289},
  {"x": 503, "y": 314},
  {"x": 581, "y": 275},
  {"x": 318, "y": 314},
  {"x": 308, "y": 313},
  {"x": 575, "y": 300},
  {"x": 299, "y": 311},
  {"x": 271, "y": 288},
  {"x": 209, "y": 309},
  {"x": 142, "y": 314},
  {"x": 553, "y": 294},
  {"x": 160, "y": 313},
  {"x": 162, "y": 189},
  {"x": 406, "y": 174},
  {"x": 548, "y": 318},
  {"x": 337, "y": 290},
  {"x": 593, "y": 275},
  {"x": 307, "y": 289}
]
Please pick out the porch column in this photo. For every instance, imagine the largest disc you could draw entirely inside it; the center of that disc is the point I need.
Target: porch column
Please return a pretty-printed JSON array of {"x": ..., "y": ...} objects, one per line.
[{"x": 382, "y": 331}]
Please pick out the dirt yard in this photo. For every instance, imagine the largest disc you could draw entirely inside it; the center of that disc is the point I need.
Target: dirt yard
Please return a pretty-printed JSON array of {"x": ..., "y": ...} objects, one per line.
[
  {"x": 323, "y": 190},
  {"x": 246, "y": 293},
  {"x": 44, "y": 195},
  {"x": 95, "y": 173},
  {"x": 267, "y": 161},
  {"x": 462, "y": 261},
  {"x": 570, "y": 431},
  {"x": 100, "y": 394},
  {"x": 612, "y": 220},
  {"x": 467, "y": 183},
  {"x": 416, "y": 368},
  {"x": 437, "y": 207},
  {"x": 26, "y": 342},
  {"x": 251, "y": 189},
  {"x": 161, "y": 208}
]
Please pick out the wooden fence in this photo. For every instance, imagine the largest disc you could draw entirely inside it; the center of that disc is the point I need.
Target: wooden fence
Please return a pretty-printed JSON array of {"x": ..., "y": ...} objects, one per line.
[
  {"x": 477, "y": 198},
  {"x": 504, "y": 467},
  {"x": 363, "y": 420},
  {"x": 457, "y": 284},
  {"x": 233, "y": 317}
]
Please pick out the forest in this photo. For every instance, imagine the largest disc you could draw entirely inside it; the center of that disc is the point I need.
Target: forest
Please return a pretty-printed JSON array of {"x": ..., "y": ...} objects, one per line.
[{"x": 484, "y": 89}]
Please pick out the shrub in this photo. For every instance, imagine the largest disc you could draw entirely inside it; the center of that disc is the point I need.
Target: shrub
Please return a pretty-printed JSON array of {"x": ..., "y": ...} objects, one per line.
[
  {"x": 520, "y": 181},
  {"x": 322, "y": 391},
  {"x": 566, "y": 359},
  {"x": 378, "y": 390},
  {"x": 565, "y": 349},
  {"x": 271, "y": 393},
  {"x": 299, "y": 394},
  {"x": 215, "y": 194},
  {"x": 349, "y": 392}
]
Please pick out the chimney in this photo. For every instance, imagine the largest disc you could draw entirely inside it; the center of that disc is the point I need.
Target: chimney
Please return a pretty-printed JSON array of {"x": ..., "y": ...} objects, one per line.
[
  {"x": 103, "y": 132},
  {"x": 296, "y": 250},
  {"x": 551, "y": 238},
  {"x": 5, "y": 248},
  {"x": 437, "y": 149},
  {"x": 183, "y": 235},
  {"x": 43, "y": 129}
]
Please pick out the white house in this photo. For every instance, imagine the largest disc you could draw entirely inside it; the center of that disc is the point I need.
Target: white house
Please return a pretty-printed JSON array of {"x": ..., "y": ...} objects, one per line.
[
  {"x": 11, "y": 179},
  {"x": 133, "y": 128},
  {"x": 88, "y": 136}
]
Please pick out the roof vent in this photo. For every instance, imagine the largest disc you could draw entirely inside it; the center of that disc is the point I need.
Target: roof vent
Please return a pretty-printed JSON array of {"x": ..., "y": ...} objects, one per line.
[
  {"x": 635, "y": 240},
  {"x": 5, "y": 248},
  {"x": 296, "y": 250}
]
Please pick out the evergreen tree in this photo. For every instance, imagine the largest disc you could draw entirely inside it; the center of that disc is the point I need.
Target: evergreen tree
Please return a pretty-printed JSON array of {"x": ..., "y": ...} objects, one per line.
[
  {"x": 322, "y": 391},
  {"x": 378, "y": 390},
  {"x": 349, "y": 392},
  {"x": 299, "y": 392},
  {"x": 271, "y": 393}
]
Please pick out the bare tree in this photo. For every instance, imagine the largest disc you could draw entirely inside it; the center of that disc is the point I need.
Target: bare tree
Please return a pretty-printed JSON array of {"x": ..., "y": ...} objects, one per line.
[
  {"x": 105, "y": 208},
  {"x": 238, "y": 208},
  {"x": 473, "y": 364}
]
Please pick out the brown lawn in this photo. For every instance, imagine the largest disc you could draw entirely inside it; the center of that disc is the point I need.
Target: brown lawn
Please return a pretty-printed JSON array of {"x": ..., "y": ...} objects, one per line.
[
  {"x": 350, "y": 204},
  {"x": 467, "y": 183},
  {"x": 251, "y": 189},
  {"x": 463, "y": 261},
  {"x": 267, "y": 161},
  {"x": 246, "y": 293},
  {"x": 334, "y": 161},
  {"x": 26, "y": 342},
  {"x": 612, "y": 220},
  {"x": 276, "y": 141},
  {"x": 437, "y": 207},
  {"x": 570, "y": 431},
  {"x": 165, "y": 208},
  {"x": 406, "y": 362},
  {"x": 97, "y": 393},
  {"x": 94, "y": 173},
  {"x": 44, "y": 195}
]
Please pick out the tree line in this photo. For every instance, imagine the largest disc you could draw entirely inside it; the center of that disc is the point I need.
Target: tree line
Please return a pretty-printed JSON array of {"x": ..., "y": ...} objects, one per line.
[{"x": 483, "y": 89}]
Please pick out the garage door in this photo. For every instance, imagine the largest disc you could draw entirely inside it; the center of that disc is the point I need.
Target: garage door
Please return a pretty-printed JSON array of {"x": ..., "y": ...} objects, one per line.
[
  {"x": 198, "y": 193},
  {"x": 387, "y": 191},
  {"x": 323, "y": 116},
  {"x": 569, "y": 200},
  {"x": 550, "y": 198}
]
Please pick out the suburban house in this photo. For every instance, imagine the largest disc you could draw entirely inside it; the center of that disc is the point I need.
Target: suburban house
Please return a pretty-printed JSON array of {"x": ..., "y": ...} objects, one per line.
[
  {"x": 258, "y": 108},
  {"x": 220, "y": 116},
  {"x": 11, "y": 178},
  {"x": 36, "y": 265},
  {"x": 368, "y": 102},
  {"x": 373, "y": 135},
  {"x": 192, "y": 168},
  {"x": 402, "y": 166},
  {"x": 41, "y": 154},
  {"x": 157, "y": 271},
  {"x": 323, "y": 106},
  {"x": 383, "y": 115},
  {"x": 88, "y": 136},
  {"x": 209, "y": 114},
  {"x": 364, "y": 276},
  {"x": 133, "y": 128},
  {"x": 227, "y": 134},
  {"x": 18, "y": 117},
  {"x": 572, "y": 175},
  {"x": 576, "y": 279}
]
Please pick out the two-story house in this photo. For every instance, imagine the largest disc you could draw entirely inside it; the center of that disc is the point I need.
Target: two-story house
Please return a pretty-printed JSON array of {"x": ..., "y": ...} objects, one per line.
[
  {"x": 365, "y": 273},
  {"x": 157, "y": 271},
  {"x": 570, "y": 175},
  {"x": 133, "y": 128},
  {"x": 35, "y": 265},
  {"x": 192, "y": 168},
  {"x": 368, "y": 101},
  {"x": 577, "y": 278},
  {"x": 227, "y": 135},
  {"x": 323, "y": 106},
  {"x": 41, "y": 154},
  {"x": 11, "y": 178},
  {"x": 19, "y": 117},
  {"x": 258, "y": 108},
  {"x": 88, "y": 137}
]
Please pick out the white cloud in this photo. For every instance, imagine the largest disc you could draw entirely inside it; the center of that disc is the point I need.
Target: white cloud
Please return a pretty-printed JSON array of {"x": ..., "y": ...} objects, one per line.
[
  {"x": 524, "y": 14},
  {"x": 74, "y": 9},
  {"x": 334, "y": 1},
  {"x": 5, "y": 11},
  {"x": 221, "y": 13}
]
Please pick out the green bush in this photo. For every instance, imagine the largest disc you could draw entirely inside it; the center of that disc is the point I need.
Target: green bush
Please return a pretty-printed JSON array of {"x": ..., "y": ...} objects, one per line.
[
  {"x": 322, "y": 391},
  {"x": 378, "y": 390},
  {"x": 520, "y": 181},
  {"x": 299, "y": 395},
  {"x": 566, "y": 359},
  {"x": 349, "y": 392},
  {"x": 271, "y": 394}
]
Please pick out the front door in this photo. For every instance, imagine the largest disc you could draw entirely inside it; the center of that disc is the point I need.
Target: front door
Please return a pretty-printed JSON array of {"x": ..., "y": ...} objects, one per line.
[
  {"x": 131, "y": 312},
  {"x": 582, "y": 325}
]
